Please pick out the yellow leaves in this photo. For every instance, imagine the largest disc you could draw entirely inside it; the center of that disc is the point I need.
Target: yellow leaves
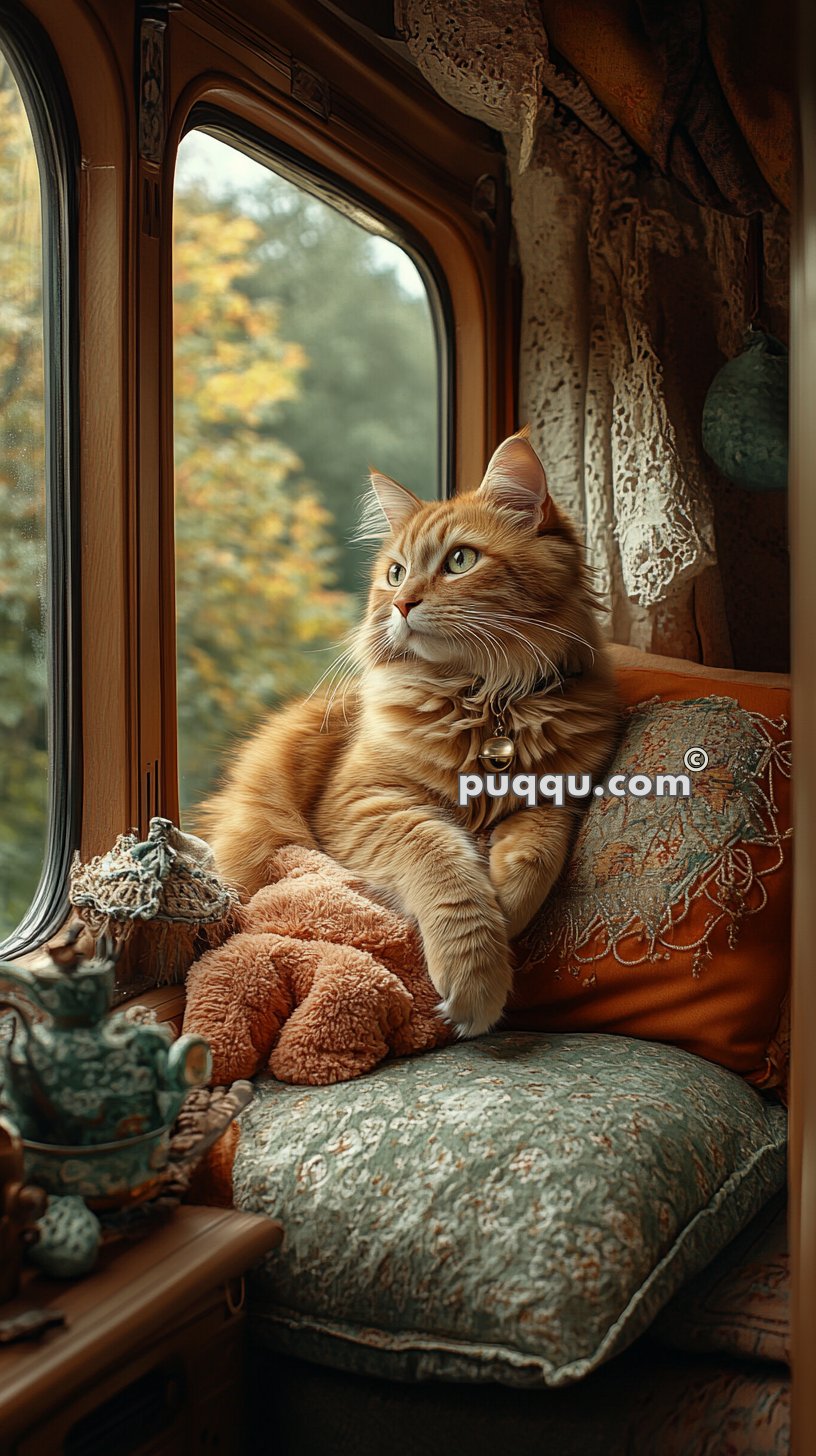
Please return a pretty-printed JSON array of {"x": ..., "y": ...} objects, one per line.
[
  {"x": 210, "y": 248},
  {"x": 22, "y": 401},
  {"x": 231, "y": 366},
  {"x": 20, "y": 218},
  {"x": 295, "y": 357},
  {"x": 247, "y": 392},
  {"x": 254, "y": 548}
]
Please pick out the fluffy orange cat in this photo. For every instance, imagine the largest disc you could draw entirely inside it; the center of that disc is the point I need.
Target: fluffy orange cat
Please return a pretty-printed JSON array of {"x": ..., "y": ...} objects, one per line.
[{"x": 480, "y": 620}]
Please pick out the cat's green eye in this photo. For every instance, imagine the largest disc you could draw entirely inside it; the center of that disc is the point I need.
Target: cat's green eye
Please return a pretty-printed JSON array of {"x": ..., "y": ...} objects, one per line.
[
  {"x": 460, "y": 559},
  {"x": 395, "y": 573}
]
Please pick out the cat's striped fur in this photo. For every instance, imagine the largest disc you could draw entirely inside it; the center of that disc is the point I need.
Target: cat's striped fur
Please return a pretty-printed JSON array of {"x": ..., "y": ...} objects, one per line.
[{"x": 372, "y": 777}]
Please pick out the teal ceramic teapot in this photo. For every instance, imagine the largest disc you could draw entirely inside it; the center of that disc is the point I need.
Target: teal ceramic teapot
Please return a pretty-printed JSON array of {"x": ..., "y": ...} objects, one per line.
[{"x": 94, "y": 1095}]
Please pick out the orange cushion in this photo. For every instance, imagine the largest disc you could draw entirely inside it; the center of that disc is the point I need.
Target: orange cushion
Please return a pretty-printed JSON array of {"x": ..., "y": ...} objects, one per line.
[{"x": 671, "y": 921}]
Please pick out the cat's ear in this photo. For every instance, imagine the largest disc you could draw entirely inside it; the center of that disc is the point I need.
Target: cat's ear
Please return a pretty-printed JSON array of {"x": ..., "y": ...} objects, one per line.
[
  {"x": 386, "y": 507},
  {"x": 515, "y": 482}
]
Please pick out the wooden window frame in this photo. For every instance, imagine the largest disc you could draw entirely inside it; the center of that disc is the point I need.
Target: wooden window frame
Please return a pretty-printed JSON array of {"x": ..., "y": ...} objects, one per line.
[
  {"x": 292, "y": 94},
  {"x": 294, "y": 71},
  {"x": 138, "y": 77},
  {"x": 37, "y": 72},
  {"x": 310, "y": 175}
]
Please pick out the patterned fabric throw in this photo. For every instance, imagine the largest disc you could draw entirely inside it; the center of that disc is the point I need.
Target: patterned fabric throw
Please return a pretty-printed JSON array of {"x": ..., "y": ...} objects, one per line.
[{"x": 740, "y": 1304}]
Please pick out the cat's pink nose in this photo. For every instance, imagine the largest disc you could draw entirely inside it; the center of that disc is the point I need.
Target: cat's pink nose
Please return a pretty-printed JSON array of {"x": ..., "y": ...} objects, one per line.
[{"x": 405, "y": 607}]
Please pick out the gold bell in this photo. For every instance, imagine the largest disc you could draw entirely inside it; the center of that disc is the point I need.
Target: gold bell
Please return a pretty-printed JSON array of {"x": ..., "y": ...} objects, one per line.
[{"x": 497, "y": 753}]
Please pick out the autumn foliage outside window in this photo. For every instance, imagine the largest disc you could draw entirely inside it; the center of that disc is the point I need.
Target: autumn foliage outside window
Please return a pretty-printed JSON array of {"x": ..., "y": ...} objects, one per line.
[
  {"x": 23, "y": 551},
  {"x": 305, "y": 350}
]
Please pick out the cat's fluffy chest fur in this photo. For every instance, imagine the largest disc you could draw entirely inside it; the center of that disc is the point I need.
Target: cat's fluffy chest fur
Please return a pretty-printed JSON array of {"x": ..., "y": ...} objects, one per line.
[{"x": 430, "y": 731}]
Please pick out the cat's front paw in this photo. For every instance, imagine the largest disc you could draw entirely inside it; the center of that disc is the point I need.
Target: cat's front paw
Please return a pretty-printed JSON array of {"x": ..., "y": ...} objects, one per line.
[
  {"x": 467, "y": 1020},
  {"x": 522, "y": 876},
  {"x": 515, "y": 882},
  {"x": 474, "y": 992}
]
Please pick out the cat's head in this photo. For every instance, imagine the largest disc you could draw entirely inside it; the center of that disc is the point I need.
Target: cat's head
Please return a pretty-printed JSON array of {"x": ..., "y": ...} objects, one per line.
[{"x": 491, "y": 583}]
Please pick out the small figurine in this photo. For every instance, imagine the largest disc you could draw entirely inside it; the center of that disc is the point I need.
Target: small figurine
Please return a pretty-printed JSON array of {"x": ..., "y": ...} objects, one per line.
[
  {"x": 20, "y": 1207},
  {"x": 69, "y": 1239}
]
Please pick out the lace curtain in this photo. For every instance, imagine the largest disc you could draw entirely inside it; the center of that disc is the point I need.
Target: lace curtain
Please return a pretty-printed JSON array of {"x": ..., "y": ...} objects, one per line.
[{"x": 633, "y": 296}]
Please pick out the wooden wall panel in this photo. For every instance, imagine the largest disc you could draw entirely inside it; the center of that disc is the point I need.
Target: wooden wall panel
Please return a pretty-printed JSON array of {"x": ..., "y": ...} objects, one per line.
[{"x": 803, "y": 551}]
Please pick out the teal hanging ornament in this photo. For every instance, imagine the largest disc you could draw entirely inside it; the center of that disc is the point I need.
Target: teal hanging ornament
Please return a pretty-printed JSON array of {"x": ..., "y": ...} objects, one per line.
[{"x": 745, "y": 415}]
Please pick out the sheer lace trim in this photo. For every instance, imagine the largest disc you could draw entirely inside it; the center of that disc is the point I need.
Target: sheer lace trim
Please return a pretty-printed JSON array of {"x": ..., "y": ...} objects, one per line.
[{"x": 609, "y": 378}]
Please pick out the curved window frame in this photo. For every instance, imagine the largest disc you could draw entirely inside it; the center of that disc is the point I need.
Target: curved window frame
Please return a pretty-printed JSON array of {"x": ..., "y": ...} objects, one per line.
[
  {"x": 269, "y": 148},
  {"x": 421, "y": 172},
  {"x": 35, "y": 68},
  {"x": 302, "y": 171},
  {"x": 309, "y": 176}
]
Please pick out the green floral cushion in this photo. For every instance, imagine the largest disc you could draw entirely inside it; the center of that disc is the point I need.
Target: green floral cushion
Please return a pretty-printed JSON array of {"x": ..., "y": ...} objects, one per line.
[{"x": 515, "y": 1208}]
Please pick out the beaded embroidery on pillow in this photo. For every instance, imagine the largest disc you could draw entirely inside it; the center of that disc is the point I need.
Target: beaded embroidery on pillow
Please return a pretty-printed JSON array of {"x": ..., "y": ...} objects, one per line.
[
  {"x": 639, "y": 863},
  {"x": 670, "y": 881}
]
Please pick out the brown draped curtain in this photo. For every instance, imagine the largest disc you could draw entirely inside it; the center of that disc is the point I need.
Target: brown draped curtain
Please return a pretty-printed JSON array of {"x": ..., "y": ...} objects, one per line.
[{"x": 703, "y": 87}]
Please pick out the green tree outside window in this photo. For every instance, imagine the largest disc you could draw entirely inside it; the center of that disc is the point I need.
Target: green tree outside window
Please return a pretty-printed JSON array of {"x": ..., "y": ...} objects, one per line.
[{"x": 304, "y": 352}]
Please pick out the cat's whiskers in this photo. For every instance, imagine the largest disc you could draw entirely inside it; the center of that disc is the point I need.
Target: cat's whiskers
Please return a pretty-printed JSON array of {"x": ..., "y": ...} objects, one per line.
[
  {"x": 535, "y": 649},
  {"x": 345, "y": 676},
  {"x": 342, "y": 682},
  {"x": 504, "y": 619},
  {"x": 377, "y": 649},
  {"x": 549, "y": 627},
  {"x": 489, "y": 641},
  {"x": 524, "y": 679},
  {"x": 332, "y": 668},
  {"x": 461, "y": 638},
  {"x": 353, "y": 668}
]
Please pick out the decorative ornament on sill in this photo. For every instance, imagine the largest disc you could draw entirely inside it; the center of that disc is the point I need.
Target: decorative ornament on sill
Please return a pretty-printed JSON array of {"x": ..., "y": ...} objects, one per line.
[
  {"x": 161, "y": 901},
  {"x": 94, "y": 1095},
  {"x": 21, "y": 1206}
]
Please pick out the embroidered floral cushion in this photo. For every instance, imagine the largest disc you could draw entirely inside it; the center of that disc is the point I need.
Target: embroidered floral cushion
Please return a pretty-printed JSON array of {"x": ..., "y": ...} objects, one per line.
[
  {"x": 672, "y": 918},
  {"x": 515, "y": 1208},
  {"x": 740, "y": 1304}
]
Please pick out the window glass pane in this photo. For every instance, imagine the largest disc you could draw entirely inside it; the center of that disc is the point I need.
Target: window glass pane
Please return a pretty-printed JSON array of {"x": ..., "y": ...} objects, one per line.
[
  {"x": 23, "y": 666},
  {"x": 305, "y": 351}
]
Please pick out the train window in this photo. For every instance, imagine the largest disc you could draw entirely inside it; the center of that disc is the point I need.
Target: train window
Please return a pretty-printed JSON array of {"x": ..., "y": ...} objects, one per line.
[
  {"x": 306, "y": 349},
  {"x": 37, "y": 695}
]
